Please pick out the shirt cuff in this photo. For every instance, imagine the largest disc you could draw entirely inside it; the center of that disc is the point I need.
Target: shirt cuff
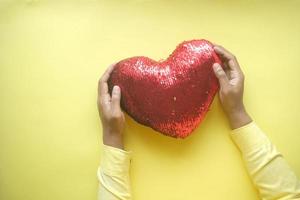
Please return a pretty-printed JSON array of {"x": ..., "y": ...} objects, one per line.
[
  {"x": 115, "y": 161},
  {"x": 249, "y": 137}
]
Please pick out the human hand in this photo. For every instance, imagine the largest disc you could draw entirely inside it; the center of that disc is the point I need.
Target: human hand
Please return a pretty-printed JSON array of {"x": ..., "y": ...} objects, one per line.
[
  {"x": 231, "y": 79},
  {"x": 111, "y": 115}
]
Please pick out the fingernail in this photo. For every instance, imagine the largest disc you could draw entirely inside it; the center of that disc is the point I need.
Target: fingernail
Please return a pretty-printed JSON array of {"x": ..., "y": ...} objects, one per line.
[
  {"x": 116, "y": 89},
  {"x": 216, "y": 66}
]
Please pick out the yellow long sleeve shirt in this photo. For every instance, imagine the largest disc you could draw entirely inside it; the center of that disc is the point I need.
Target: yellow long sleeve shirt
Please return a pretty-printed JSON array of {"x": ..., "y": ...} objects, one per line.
[{"x": 269, "y": 171}]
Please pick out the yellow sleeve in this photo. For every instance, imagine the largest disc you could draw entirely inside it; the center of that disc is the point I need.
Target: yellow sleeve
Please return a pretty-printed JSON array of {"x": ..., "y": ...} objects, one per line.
[
  {"x": 113, "y": 174},
  {"x": 269, "y": 171}
]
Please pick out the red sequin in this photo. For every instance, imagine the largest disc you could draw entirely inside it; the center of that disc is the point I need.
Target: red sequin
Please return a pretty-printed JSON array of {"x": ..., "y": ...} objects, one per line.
[{"x": 171, "y": 96}]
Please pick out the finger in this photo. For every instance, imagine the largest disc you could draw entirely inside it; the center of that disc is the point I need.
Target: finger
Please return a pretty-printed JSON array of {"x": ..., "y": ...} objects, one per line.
[
  {"x": 227, "y": 56},
  {"x": 223, "y": 52},
  {"x": 116, "y": 98},
  {"x": 220, "y": 74},
  {"x": 103, "y": 86},
  {"x": 108, "y": 71},
  {"x": 103, "y": 95}
]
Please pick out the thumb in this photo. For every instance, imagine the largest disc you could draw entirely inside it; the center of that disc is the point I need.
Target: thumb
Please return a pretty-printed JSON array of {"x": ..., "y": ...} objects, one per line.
[
  {"x": 220, "y": 74},
  {"x": 115, "y": 98}
]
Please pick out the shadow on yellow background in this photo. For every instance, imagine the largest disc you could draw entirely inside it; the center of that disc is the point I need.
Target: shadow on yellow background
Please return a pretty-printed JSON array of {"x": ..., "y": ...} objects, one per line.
[{"x": 53, "y": 52}]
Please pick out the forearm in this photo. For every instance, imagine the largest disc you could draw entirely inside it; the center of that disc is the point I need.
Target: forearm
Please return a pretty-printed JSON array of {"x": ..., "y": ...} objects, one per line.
[{"x": 269, "y": 171}]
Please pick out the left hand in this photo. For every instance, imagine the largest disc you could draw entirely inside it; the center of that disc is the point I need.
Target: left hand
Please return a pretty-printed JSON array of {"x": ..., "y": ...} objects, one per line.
[{"x": 111, "y": 115}]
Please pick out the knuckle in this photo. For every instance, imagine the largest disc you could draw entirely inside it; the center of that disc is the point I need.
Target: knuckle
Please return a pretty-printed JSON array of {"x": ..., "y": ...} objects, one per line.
[
  {"x": 115, "y": 97},
  {"x": 116, "y": 116},
  {"x": 104, "y": 104},
  {"x": 221, "y": 73},
  {"x": 225, "y": 91}
]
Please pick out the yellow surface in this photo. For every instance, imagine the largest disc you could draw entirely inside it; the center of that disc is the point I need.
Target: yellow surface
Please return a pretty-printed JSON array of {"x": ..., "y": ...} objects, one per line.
[{"x": 52, "y": 54}]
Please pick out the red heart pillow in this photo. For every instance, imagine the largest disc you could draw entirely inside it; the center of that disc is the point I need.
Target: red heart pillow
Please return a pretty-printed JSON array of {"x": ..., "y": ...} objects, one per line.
[{"x": 170, "y": 96}]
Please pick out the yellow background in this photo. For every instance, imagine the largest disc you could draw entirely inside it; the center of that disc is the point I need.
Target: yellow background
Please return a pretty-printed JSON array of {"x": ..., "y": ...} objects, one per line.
[{"x": 53, "y": 52}]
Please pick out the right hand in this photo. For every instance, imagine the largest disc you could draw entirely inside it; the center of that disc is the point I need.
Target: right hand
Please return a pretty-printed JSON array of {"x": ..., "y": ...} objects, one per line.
[{"x": 231, "y": 80}]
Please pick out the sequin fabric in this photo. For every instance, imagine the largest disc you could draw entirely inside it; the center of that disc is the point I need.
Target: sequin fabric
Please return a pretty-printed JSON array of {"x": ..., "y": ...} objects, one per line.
[{"x": 171, "y": 96}]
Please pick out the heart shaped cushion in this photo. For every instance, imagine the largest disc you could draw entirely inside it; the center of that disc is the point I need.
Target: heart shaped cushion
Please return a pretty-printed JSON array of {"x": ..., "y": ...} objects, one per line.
[{"x": 171, "y": 96}]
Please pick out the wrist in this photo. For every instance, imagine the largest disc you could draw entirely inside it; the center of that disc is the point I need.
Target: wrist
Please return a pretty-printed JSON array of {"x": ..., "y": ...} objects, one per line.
[
  {"x": 239, "y": 118},
  {"x": 113, "y": 139}
]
